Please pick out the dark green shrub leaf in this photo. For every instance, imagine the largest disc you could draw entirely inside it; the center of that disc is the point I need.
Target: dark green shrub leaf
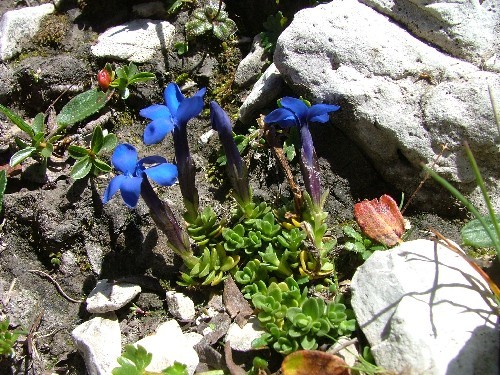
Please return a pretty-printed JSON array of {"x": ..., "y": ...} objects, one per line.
[
  {"x": 77, "y": 152},
  {"x": 47, "y": 150},
  {"x": 21, "y": 155},
  {"x": 82, "y": 106},
  {"x": 97, "y": 140},
  {"x": 37, "y": 124},
  {"x": 474, "y": 234},
  {"x": 81, "y": 168},
  {"x": 109, "y": 142},
  {"x": 18, "y": 121},
  {"x": 101, "y": 165}
]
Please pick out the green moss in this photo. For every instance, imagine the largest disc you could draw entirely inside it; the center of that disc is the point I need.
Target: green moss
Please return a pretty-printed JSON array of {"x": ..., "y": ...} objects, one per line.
[{"x": 52, "y": 31}]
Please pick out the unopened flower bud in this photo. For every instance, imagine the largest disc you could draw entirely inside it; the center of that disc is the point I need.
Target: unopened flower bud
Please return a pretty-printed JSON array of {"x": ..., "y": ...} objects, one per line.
[{"x": 104, "y": 79}]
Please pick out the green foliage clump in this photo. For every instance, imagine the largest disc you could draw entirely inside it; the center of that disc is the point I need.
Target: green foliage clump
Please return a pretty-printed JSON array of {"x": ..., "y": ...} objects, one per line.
[
  {"x": 88, "y": 160},
  {"x": 273, "y": 26},
  {"x": 8, "y": 338},
  {"x": 295, "y": 321},
  {"x": 359, "y": 243},
  {"x": 135, "y": 360}
]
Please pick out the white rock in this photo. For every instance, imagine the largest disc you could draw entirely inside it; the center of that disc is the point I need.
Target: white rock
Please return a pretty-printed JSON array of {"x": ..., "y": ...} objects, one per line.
[
  {"x": 252, "y": 66},
  {"x": 136, "y": 41},
  {"x": 95, "y": 256},
  {"x": 108, "y": 296},
  {"x": 99, "y": 341},
  {"x": 465, "y": 29},
  {"x": 401, "y": 99},
  {"x": 193, "y": 338},
  {"x": 17, "y": 26},
  {"x": 180, "y": 305},
  {"x": 169, "y": 345},
  {"x": 241, "y": 338},
  {"x": 425, "y": 310},
  {"x": 265, "y": 90}
]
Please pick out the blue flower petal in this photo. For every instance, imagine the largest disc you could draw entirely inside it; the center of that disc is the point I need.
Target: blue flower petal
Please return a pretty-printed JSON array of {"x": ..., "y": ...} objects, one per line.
[
  {"x": 201, "y": 92},
  {"x": 164, "y": 174},
  {"x": 173, "y": 97},
  {"x": 113, "y": 187},
  {"x": 157, "y": 129},
  {"x": 189, "y": 108},
  {"x": 130, "y": 190},
  {"x": 282, "y": 116},
  {"x": 124, "y": 158},
  {"x": 153, "y": 159},
  {"x": 155, "y": 111},
  {"x": 319, "y": 112},
  {"x": 297, "y": 106}
]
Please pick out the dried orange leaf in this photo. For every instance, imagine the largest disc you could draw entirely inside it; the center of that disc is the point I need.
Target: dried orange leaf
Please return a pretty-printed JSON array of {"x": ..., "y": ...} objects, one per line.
[
  {"x": 380, "y": 219},
  {"x": 314, "y": 362}
]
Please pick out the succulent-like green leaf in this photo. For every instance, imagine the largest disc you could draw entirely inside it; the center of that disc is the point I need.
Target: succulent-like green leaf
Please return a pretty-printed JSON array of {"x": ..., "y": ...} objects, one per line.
[
  {"x": 21, "y": 155},
  {"x": 82, "y": 106},
  {"x": 18, "y": 121},
  {"x": 474, "y": 234}
]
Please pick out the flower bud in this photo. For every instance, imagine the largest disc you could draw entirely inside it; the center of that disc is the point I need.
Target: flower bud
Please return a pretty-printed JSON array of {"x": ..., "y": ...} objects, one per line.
[{"x": 104, "y": 79}]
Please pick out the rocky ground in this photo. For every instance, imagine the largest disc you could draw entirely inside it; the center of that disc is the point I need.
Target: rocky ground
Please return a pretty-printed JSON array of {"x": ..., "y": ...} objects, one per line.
[{"x": 60, "y": 227}]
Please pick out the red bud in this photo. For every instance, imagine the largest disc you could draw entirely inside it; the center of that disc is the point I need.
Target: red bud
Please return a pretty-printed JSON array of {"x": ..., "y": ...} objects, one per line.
[
  {"x": 104, "y": 79},
  {"x": 380, "y": 220}
]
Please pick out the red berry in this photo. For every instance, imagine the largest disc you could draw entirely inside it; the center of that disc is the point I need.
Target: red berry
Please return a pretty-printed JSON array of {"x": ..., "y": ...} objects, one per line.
[{"x": 104, "y": 79}]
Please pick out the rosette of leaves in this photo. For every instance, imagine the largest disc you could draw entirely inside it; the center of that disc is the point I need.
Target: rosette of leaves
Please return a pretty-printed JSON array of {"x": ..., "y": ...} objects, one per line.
[
  {"x": 210, "y": 17},
  {"x": 250, "y": 273},
  {"x": 41, "y": 144},
  {"x": 205, "y": 229},
  {"x": 88, "y": 160},
  {"x": 294, "y": 321},
  {"x": 210, "y": 267}
]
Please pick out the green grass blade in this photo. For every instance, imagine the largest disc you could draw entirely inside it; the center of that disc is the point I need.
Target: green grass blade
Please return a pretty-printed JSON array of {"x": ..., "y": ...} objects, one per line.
[
  {"x": 466, "y": 203},
  {"x": 16, "y": 120}
]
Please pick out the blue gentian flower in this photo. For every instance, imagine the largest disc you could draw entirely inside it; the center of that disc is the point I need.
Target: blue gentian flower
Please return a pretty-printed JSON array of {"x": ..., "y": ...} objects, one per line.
[
  {"x": 294, "y": 112},
  {"x": 124, "y": 159},
  {"x": 174, "y": 114},
  {"x": 236, "y": 168}
]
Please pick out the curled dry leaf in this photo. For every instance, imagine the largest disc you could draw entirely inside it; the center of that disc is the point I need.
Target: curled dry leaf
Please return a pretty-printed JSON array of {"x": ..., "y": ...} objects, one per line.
[
  {"x": 314, "y": 362},
  {"x": 380, "y": 219}
]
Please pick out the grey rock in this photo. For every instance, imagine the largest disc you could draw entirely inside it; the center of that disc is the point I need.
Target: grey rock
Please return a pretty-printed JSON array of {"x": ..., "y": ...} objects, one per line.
[
  {"x": 6, "y": 82},
  {"x": 428, "y": 312},
  {"x": 95, "y": 255},
  {"x": 109, "y": 296},
  {"x": 252, "y": 66},
  {"x": 465, "y": 29},
  {"x": 180, "y": 306},
  {"x": 169, "y": 345},
  {"x": 18, "y": 26},
  {"x": 401, "y": 99},
  {"x": 99, "y": 341},
  {"x": 265, "y": 90},
  {"x": 138, "y": 40},
  {"x": 241, "y": 338}
]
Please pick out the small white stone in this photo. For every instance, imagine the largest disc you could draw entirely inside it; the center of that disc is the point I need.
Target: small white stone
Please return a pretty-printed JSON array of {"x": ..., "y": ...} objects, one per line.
[
  {"x": 180, "y": 306},
  {"x": 136, "y": 41},
  {"x": 108, "y": 296},
  {"x": 17, "y": 26},
  {"x": 169, "y": 345},
  {"x": 241, "y": 338},
  {"x": 99, "y": 341},
  {"x": 206, "y": 136}
]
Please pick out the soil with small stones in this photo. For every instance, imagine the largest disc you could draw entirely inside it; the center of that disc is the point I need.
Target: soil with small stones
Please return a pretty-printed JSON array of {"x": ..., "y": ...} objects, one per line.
[{"x": 60, "y": 226}]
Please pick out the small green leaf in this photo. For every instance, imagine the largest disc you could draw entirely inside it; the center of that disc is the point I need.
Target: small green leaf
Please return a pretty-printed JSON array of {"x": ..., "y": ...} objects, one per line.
[
  {"x": 101, "y": 165},
  {"x": 47, "y": 150},
  {"x": 3, "y": 186},
  {"x": 109, "y": 142},
  {"x": 176, "y": 369},
  {"x": 474, "y": 234},
  {"x": 141, "y": 77},
  {"x": 21, "y": 155},
  {"x": 18, "y": 121},
  {"x": 97, "y": 140},
  {"x": 82, "y": 106},
  {"x": 224, "y": 29},
  {"x": 131, "y": 70},
  {"x": 77, "y": 152},
  {"x": 133, "y": 361},
  {"x": 181, "y": 47},
  {"x": 81, "y": 168},
  {"x": 38, "y": 123}
]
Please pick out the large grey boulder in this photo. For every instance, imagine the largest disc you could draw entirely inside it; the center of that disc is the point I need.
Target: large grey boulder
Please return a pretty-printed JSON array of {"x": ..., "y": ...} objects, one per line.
[
  {"x": 425, "y": 310},
  {"x": 138, "y": 40},
  {"x": 18, "y": 26},
  {"x": 401, "y": 98},
  {"x": 466, "y": 29}
]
